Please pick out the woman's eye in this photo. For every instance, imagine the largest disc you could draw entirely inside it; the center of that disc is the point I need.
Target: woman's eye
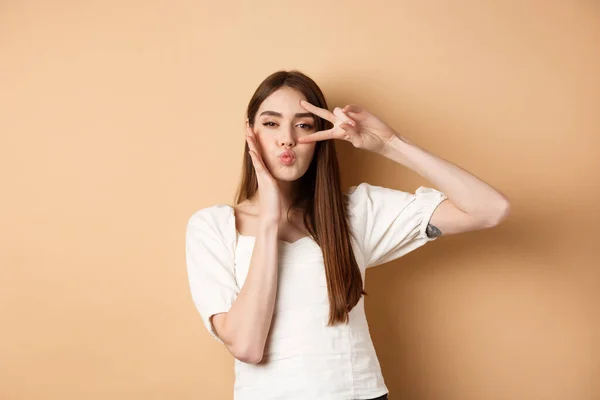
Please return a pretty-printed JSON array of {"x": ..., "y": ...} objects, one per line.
[{"x": 303, "y": 126}]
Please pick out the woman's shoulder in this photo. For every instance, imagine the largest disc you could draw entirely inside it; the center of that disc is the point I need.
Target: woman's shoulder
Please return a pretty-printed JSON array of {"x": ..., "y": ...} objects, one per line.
[
  {"x": 364, "y": 192},
  {"x": 366, "y": 200},
  {"x": 215, "y": 219},
  {"x": 363, "y": 189},
  {"x": 211, "y": 213}
]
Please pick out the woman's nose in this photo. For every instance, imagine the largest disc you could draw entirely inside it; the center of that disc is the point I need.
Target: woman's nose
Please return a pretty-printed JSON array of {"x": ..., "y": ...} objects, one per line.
[{"x": 287, "y": 138}]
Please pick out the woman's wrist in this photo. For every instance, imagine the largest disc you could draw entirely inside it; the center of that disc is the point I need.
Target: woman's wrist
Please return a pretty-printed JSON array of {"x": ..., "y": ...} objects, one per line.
[
  {"x": 399, "y": 150},
  {"x": 268, "y": 226}
]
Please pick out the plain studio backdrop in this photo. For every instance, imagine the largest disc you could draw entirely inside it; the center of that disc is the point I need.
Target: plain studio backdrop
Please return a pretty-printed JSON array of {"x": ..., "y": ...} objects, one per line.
[{"x": 119, "y": 119}]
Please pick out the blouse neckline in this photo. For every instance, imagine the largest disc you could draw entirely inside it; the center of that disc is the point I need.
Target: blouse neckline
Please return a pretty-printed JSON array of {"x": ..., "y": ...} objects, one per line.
[{"x": 253, "y": 238}]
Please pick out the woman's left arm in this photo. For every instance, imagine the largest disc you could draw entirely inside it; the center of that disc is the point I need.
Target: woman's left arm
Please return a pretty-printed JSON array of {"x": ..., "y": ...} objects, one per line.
[{"x": 472, "y": 203}]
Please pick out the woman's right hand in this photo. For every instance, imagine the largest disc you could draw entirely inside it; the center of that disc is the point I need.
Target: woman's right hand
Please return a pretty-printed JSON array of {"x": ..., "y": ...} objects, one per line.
[{"x": 269, "y": 195}]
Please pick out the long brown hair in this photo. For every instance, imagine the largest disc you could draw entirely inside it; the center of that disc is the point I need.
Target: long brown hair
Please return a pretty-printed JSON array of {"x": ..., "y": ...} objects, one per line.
[{"x": 319, "y": 195}]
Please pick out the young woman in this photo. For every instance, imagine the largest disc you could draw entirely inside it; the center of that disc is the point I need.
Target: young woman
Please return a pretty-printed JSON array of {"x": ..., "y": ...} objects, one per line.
[{"x": 278, "y": 278}]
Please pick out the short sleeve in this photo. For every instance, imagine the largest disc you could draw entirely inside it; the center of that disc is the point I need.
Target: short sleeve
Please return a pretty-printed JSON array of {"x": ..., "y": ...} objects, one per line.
[
  {"x": 390, "y": 223},
  {"x": 210, "y": 266}
]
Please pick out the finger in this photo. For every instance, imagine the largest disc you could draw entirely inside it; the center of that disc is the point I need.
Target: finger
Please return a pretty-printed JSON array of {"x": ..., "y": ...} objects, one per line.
[
  {"x": 249, "y": 131},
  {"x": 259, "y": 166},
  {"x": 257, "y": 160},
  {"x": 252, "y": 142},
  {"x": 255, "y": 154},
  {"x": 351, "y": 135},
  {"x": 355, "y": 112},
  {"x": 352, "y": 108},
  {"x": 349, "y": 130},
  {"x": 254, "y": 159},
  {"x": 317, "y": 136},
  {"x": 249, "y": 136},
  {"x": 338, "y": 112},
  {"x": 253, "y": 146},
  {"x": 321, "y": 112}
]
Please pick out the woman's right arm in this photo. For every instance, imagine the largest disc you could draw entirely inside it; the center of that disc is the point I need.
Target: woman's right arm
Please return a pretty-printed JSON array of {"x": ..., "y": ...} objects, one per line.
[{"x": 244, "y": 328}]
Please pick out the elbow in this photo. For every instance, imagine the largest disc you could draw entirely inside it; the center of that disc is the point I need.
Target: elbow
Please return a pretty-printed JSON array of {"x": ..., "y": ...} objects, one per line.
[
  {"x": 249, "y": 357},
  {"x": 499, "y": 214},
  {"x": 240, "y": 345},
  {"x": 247, "y": 354}
]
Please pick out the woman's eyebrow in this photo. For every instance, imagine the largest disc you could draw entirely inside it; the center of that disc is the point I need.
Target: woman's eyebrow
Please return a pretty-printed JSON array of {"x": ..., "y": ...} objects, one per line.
[{"x": 297, "y": 115}]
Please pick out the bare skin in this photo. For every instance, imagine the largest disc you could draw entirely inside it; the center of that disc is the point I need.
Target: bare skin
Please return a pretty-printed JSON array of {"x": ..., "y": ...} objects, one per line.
[
  {"x": 284, "y": 125},
  {"x": 247, "y": 220},
  {"x": 245, "y": 327},
  {"x": 277, "y": 128}
]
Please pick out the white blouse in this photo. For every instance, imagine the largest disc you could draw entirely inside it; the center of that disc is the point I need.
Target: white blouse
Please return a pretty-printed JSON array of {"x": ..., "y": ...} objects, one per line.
[{"x": 303, "y": 357}]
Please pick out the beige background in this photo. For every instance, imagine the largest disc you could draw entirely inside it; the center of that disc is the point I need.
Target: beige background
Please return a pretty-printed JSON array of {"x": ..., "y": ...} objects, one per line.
[{"x": 119, "y": 119}]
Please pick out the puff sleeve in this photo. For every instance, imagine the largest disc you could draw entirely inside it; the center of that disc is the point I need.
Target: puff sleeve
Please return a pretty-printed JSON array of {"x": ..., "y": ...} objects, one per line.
[
  {"x": 210, "y": 266},
  {"x": 389, "y": 223}
]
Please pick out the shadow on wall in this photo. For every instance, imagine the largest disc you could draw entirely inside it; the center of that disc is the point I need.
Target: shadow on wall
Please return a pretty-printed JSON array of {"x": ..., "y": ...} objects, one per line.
[{"x": 492, "y": 312}]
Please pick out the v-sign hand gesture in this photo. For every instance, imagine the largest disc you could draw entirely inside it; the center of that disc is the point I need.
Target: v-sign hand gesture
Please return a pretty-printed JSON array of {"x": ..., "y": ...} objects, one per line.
[{"x": 352, "y": 123}]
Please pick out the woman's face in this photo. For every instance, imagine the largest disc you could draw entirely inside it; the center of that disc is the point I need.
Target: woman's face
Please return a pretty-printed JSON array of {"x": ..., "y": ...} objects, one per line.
[{"x": 279, "y": 122}]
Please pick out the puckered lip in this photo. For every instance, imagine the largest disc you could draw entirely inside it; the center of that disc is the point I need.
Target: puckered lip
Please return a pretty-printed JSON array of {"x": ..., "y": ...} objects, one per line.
[{"x": 287, "y": 153}]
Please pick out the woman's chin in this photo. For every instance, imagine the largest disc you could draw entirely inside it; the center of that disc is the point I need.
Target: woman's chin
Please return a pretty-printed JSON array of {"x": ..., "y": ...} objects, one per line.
[{"x": 288, "y": 174}]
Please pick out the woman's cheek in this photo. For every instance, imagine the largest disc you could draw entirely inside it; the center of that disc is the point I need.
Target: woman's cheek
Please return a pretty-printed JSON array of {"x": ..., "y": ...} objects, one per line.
[
  {"x": 309, "y": 153},
  {"x": 261, "y": 144}
]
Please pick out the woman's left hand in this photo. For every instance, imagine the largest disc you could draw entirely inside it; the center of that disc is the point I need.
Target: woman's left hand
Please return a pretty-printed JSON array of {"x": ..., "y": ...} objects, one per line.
[{"x": 352, "y": 123}]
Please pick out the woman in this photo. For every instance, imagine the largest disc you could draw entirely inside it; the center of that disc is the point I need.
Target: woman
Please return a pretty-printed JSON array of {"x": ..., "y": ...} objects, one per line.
[{"x": 278, "y": 278}]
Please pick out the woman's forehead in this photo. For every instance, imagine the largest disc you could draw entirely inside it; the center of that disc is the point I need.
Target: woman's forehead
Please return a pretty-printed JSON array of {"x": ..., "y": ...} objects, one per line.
[{"x": 285, "y": 101}]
